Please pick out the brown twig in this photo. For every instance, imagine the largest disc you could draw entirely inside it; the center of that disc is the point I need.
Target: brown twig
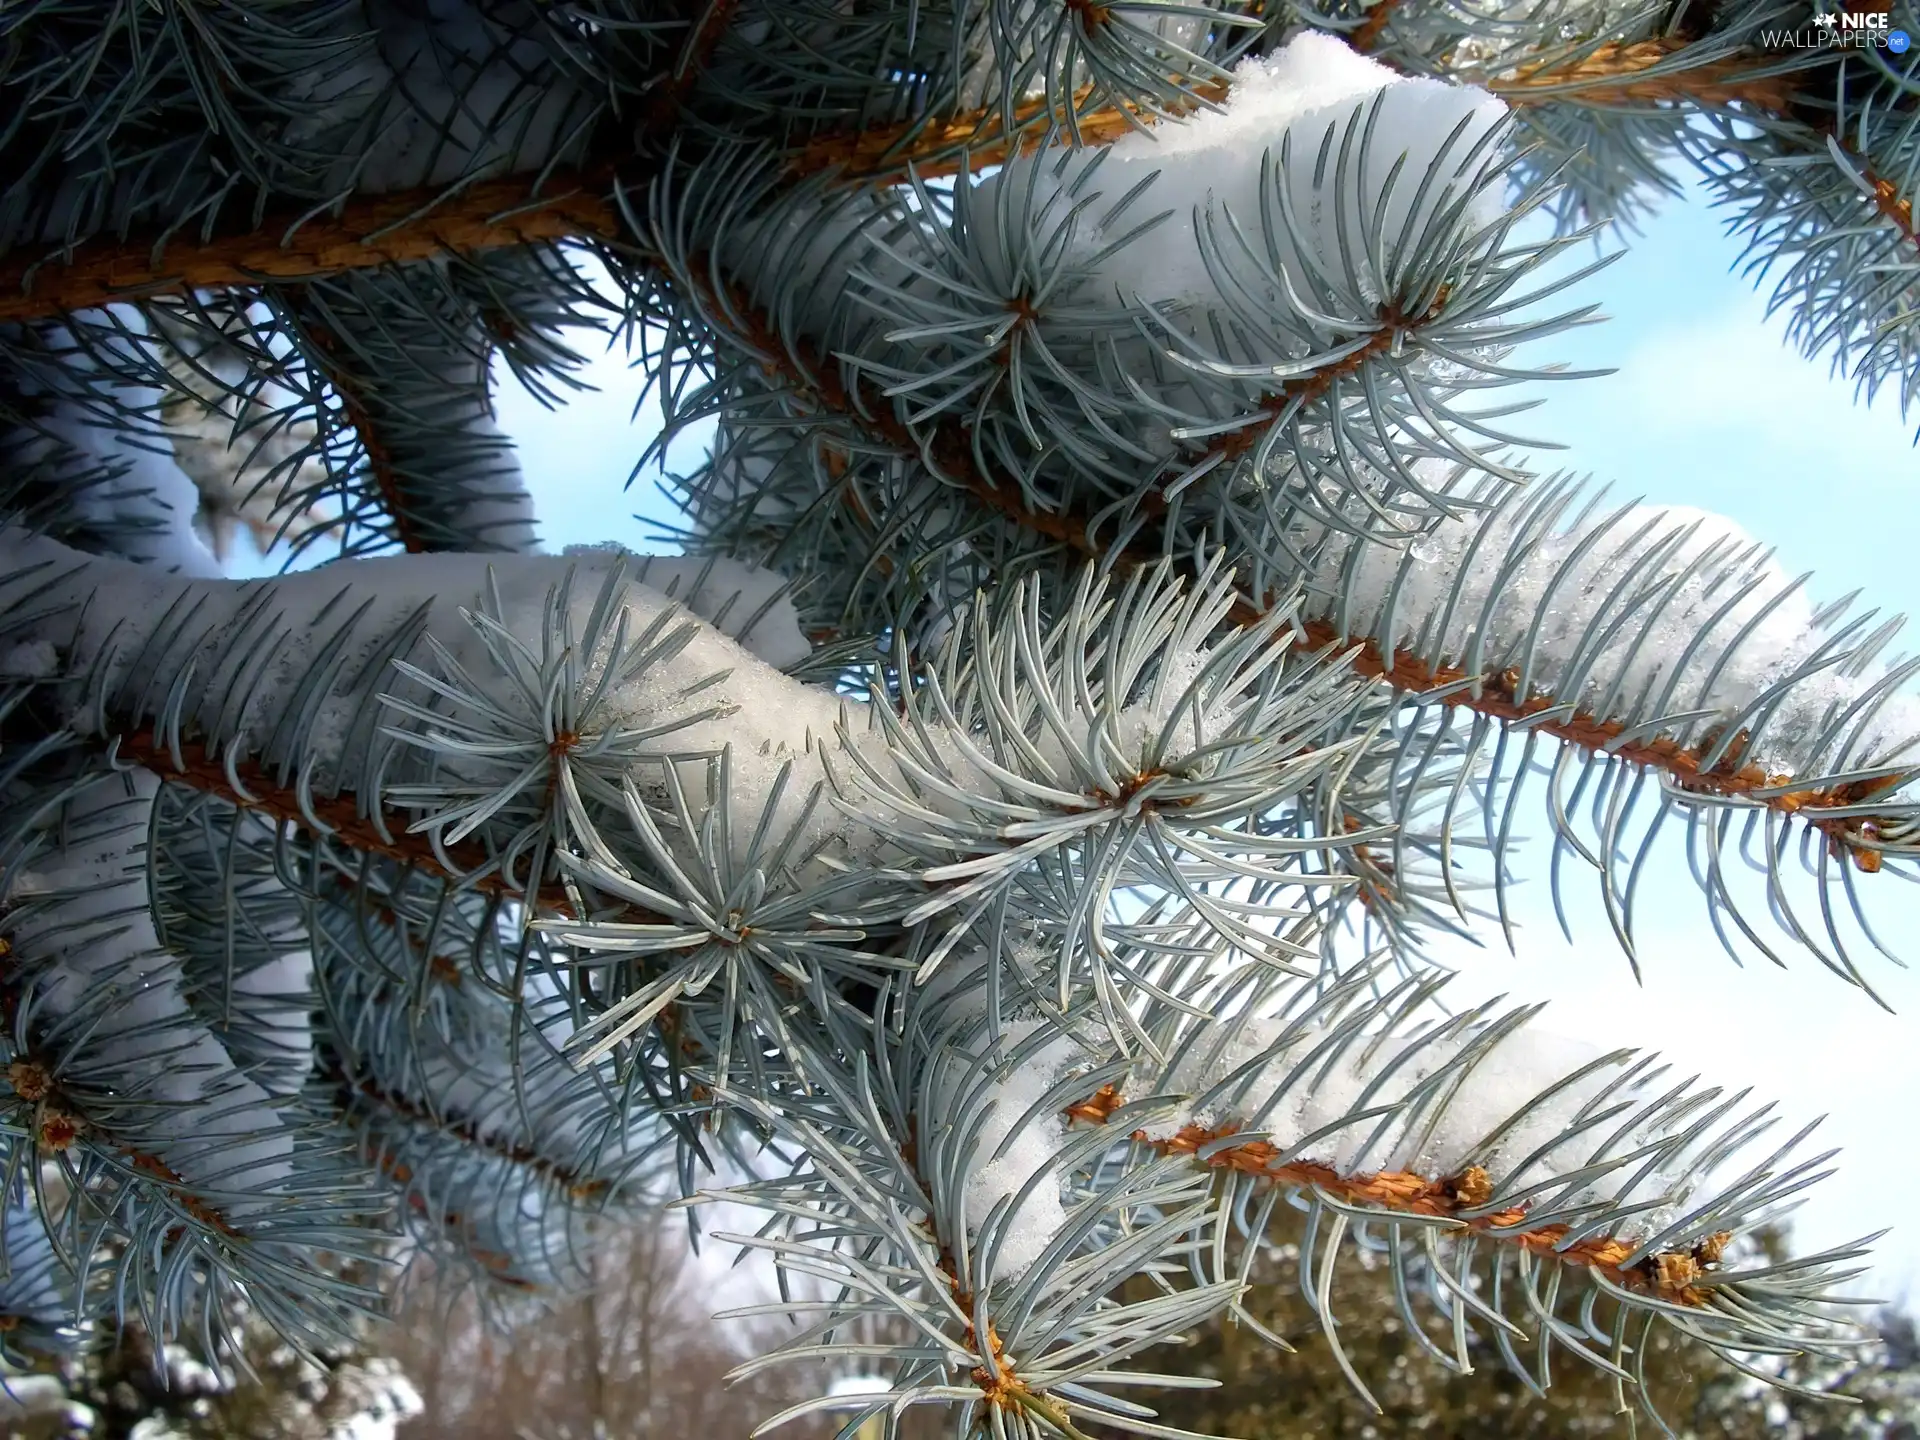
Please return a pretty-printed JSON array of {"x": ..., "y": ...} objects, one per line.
[
  {"x": 335, "y": 817},
  {"x": 1624, "y": 75},
  {"x": 325, "y": 352},
  {"x": 497, "y": 1265},
  {"x": 1496, "y": 697},
  {"x": 1368, "y": 34},
  {"x": 370, "y": 231},
  {"x": 376, "y": 230},
  {"x": 933, "y": 148},
  {"x": 995, "y": 1376},
  {"x": 1883, "y": 194},
  {"x": 707, "y": 25},
  {"x": 1673, "y": 1275},
  {"x": 59, "y": 1123},
  {"x": 1611, "y": 75},
  {"x": 338, "y": 817}
]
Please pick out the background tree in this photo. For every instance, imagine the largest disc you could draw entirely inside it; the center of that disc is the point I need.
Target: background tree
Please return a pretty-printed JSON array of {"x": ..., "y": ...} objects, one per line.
[
  {"x": 635, "y": 1354},
  {"x": 1268, "y": 1396},
  {"x": 1119, "y": 630}
]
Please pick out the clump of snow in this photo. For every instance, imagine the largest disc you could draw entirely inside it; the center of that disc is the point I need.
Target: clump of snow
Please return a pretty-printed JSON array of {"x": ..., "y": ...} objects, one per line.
[
  {"x": 1313, "y": 74},
  {"x": 1211, "y": 163},
  {"x": 32, "y": 660},
  {"x": 711, "y": 694},
  {"x": 1505, "y": 1108},
  {"x": 1693, "y": 615},
  {"x": 1032, "y": 1143},
  {"x": 280, "y": 998},
  {"x": 736, "y": 599},
  {"x": 84, "y": 931},
  {"x": 1314, "y": 249},
  {"x": 746, "y": 602}
]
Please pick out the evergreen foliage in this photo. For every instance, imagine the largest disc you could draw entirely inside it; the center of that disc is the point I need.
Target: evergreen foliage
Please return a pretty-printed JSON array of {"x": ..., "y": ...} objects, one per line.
[
  {"x": 1119, "y": 631},
  {"x": 1265, "y": 1395}
]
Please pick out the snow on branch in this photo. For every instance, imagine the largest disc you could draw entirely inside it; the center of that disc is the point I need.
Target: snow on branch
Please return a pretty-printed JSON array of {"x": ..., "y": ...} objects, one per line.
[
  {"x": 497, "y": 1146},
  {"x": 290, "y": 671},
  {"x": 990, "y": 1184},
  {"x": 1490, "y": 1154},
  {"x": 1106, "y": 327},
  {"x": 1658, "y": 639},
  {"x": 570, "y": 728},
  {"x": 1629, "y": 74},
  {"x": 115, "y": 1077}
]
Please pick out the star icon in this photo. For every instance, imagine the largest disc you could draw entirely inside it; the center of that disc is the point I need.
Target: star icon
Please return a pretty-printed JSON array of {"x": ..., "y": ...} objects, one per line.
[{"x": 1827, "y": 19}]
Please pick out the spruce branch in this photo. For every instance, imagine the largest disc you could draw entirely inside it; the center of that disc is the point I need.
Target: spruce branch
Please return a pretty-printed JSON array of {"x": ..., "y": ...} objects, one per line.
[
  {"x": 407, "y": 352},
  {"x": 370, "y": 232},
  {"x": 1632, "y": 74},
  {"x": 1655, "y": 72},
  {"x": 1680, "y": 1277},
  {"x": 1712, "y": 768},
  {"x": 368, "y": 1093},
  {"x": 1188, "y": 609}
]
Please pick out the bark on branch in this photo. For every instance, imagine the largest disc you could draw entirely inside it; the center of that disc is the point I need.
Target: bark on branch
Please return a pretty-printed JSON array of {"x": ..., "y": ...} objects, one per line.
[
  {"x": 1613, "y": 75},
  {"x": 1680, "y": 1277},
  {"x": 370, "y": 231}
]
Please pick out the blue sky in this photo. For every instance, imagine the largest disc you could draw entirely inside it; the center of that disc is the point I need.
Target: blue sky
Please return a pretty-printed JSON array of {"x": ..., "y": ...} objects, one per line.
[{"x": 1708, "y": 408}]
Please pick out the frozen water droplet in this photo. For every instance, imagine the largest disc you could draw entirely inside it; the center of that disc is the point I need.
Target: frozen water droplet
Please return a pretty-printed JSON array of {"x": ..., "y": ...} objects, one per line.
[{"x": 1426, "y": 549}]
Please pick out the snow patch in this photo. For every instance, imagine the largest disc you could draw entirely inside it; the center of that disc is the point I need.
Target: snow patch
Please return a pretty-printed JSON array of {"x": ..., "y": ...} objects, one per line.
[
  {"x": 1705, "y": 620},
  {"x": 1495, "y": 1111},
  {"x": 1213, "y": 163},
  {"x": 1032, "y": 1149},
  {"x": 33, "y": 660}
]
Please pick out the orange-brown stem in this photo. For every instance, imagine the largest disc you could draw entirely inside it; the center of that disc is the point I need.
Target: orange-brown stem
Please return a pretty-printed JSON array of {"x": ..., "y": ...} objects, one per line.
[
  {"x": 933, "y": 148},
  {"x": 1671, "y": 1275},
  {"x": 1613, "y": 75},
  {"x": 338, "y": 818},
  {"x": 1885, "y": 195},
  {"x": 499, "y": 1266},
  {"x": 1368, "y": 34},
  {"x": 375, "y": 230},
  {"x": 1496, "y": 697},
  {"x": 708, "y": 22},
  {"x": 200, "y": 1210},
  {"x": 1619, "y": 75},
  {"x": 324, "y": 349},
  {"x": 441, "y": 968},
  {"x": 996, "y": 1381},
  {"x": 370, "y": 231},
  {"x": 337, "y": 815},
  {"x": 58, "y": 1123}
]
